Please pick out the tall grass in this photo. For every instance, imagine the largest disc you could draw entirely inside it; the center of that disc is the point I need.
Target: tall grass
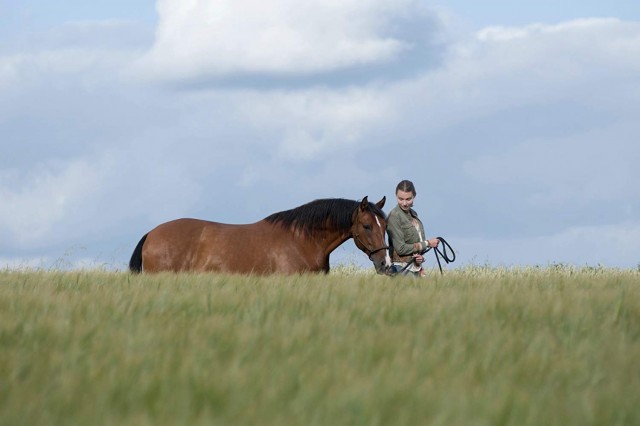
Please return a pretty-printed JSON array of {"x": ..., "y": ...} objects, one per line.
[{"x": 481, "y": 346}]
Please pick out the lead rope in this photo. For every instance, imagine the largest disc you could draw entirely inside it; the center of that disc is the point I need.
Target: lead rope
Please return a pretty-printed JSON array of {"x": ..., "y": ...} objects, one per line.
[{"x": 444, "y": 254}]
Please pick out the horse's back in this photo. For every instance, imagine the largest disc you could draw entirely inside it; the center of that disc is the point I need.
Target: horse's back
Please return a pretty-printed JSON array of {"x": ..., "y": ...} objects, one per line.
[
  {"x": 192, "y": 245},
  {"x": 203, "y": 246}
]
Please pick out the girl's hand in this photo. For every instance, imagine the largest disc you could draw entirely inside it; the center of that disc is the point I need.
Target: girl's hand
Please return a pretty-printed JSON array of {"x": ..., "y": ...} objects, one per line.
[
  {"x": 419, "y": 259},
  {"x": 433, "y": 242}
]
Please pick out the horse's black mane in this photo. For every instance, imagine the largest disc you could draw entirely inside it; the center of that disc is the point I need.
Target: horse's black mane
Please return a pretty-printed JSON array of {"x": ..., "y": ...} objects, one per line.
[{"x": 313, "y": 216}]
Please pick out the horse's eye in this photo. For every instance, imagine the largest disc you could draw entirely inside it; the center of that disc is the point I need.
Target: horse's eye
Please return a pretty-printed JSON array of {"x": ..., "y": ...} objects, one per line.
[{"x": 367, "y": 227}]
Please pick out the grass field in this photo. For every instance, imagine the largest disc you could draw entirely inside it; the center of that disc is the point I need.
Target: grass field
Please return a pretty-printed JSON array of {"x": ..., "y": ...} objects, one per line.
[{"x": 477, "y": 346}]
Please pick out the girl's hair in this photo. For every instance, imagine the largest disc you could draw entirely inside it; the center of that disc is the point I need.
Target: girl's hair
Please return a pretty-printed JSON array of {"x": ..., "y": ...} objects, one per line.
[{"x": 406, "y": 186}]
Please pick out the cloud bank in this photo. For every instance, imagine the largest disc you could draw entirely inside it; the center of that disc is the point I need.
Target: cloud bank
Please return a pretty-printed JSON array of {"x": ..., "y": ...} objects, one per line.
[
  {"x": 231, "y": 40},
  {"x": 521, "y": 140}
]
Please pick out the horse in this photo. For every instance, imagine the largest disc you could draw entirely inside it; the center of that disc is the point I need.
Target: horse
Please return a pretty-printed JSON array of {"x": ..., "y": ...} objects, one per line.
[{"x": 294, "y": 241}]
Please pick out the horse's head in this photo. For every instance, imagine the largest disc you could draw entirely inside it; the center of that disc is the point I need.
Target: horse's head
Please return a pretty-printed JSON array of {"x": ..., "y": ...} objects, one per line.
[{"x": 369, "y": 230}]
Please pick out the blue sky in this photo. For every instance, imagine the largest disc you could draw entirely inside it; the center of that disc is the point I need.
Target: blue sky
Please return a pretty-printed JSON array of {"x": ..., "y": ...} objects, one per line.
[
  {"x": 516, "y": 120},
  {"x": 37, "y": 13},
  {"x": 506, "y": 12}
]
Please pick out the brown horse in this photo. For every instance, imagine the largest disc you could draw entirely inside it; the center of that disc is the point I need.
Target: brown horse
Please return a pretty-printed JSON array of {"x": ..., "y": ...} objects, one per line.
[{"x": 292, "y": 241}]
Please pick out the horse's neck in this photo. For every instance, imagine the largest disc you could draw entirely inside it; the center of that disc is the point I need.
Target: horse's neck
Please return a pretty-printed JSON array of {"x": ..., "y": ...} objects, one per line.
[
  {"x": 335, "y": 238},
  {"x": 325, "y": 240},
  {"x": 313, "y": 247}
]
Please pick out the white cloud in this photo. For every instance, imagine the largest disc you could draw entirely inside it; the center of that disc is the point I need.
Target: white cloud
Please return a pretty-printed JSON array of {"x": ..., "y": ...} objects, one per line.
[
  {"x": 311, "y": 124},
  {"x": 30, "y": 68},
  {"x": 88, "y": 52},
  {"x": 198, "y": 38},
  {"x": 505, "y": 34},
  {"x": 34, "y": 203},
  {"x": 81, "y": 199},
  {"x": 566, "y": 50},
  {"x": 595, "y": 63}
]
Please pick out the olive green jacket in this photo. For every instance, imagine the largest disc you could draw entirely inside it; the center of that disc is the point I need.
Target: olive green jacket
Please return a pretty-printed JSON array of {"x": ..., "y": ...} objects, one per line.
[{"x": 404, "y": 239}]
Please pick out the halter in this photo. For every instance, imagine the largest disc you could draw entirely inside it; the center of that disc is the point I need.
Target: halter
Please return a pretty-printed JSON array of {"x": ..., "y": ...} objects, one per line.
[{"x": 369, "y": 252}]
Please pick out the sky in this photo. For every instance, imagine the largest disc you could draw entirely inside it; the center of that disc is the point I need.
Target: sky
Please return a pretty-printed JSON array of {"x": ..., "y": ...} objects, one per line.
[{"x": 517, "y": 121}]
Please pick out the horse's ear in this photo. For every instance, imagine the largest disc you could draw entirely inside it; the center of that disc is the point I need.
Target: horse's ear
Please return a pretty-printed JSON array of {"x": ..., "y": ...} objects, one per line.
[
  {"x": 380, "y": 203},
  {"x": 365, "y": 203}
]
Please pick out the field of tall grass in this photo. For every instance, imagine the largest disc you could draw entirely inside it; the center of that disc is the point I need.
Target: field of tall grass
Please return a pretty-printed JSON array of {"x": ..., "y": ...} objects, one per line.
[{"x": 478, "y": 345}]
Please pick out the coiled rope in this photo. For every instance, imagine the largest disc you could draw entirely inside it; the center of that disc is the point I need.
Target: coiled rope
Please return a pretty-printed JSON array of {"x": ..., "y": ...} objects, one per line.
[{"x": 446, "y": 247}]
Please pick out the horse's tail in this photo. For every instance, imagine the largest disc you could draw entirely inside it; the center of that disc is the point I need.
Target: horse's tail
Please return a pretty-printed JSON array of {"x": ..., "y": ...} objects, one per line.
[{"x": 135, "y": 264}]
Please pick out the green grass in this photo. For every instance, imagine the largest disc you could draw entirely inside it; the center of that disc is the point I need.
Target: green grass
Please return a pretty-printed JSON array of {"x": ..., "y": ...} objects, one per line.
[{"x": 481, "y": 346}]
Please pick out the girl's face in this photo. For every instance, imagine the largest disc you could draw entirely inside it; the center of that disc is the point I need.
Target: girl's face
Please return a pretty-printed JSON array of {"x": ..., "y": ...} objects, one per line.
[{"x": 405, "y": 200}]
